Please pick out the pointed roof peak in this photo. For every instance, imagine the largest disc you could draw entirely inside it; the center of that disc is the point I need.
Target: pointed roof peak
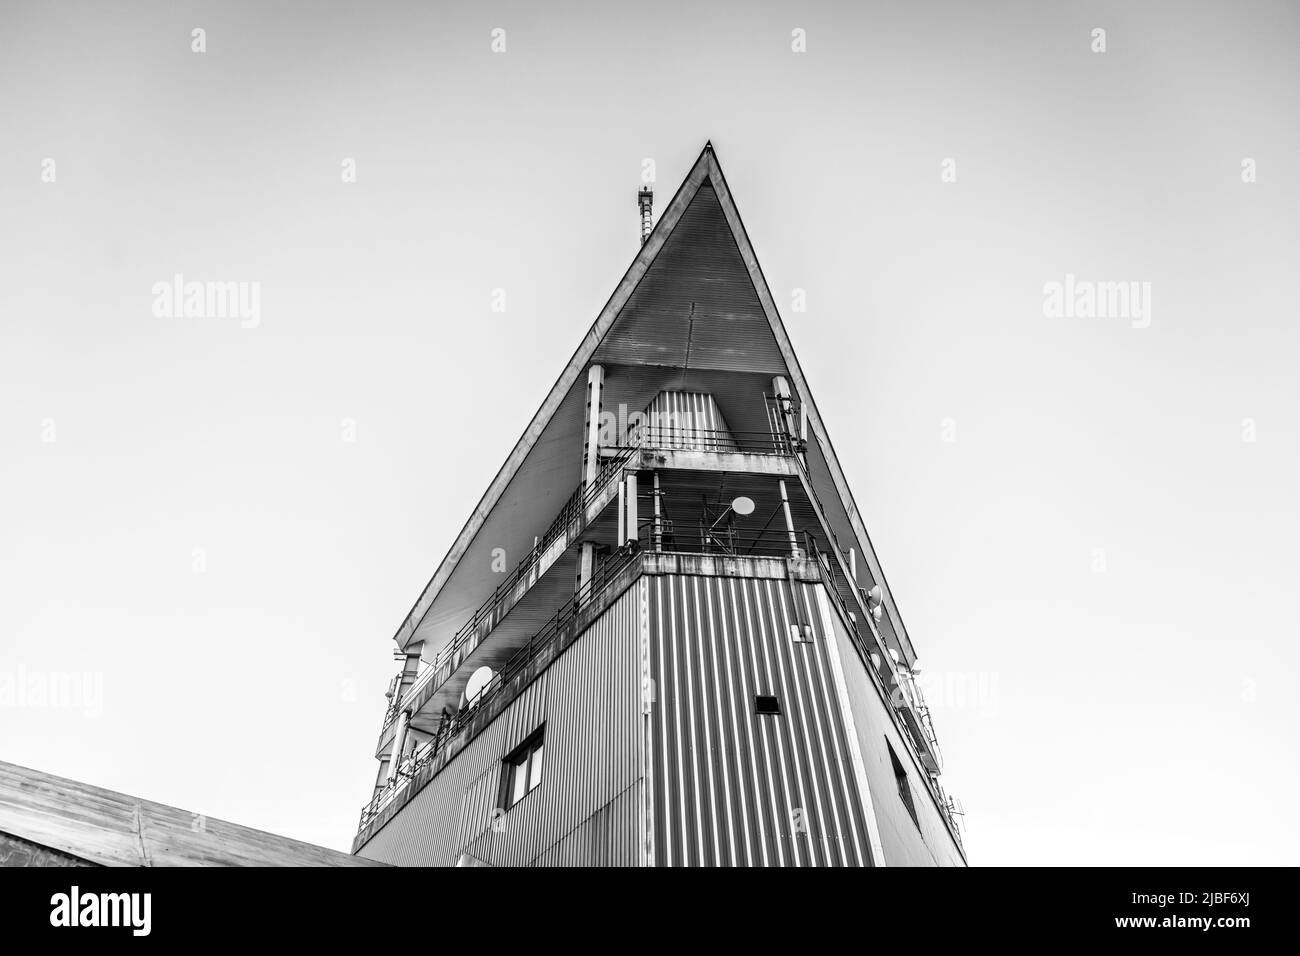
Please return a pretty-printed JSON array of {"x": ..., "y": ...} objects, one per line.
[{"x": 705, "y": 175}]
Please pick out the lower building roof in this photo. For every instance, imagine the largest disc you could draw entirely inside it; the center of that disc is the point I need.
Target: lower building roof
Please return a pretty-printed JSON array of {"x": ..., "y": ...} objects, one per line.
[{"x": 113, "y": 829}]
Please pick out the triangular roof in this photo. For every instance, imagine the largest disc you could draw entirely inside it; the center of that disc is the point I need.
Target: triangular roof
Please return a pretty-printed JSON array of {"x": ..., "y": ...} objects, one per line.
[{"x": 637, "y": 318}]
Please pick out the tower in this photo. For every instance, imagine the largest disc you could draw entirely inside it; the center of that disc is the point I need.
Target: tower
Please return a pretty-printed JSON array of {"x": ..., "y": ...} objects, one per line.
[{"x": 694, "y": 657}]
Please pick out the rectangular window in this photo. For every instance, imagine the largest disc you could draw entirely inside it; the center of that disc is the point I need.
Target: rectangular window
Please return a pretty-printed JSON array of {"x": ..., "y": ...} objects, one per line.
[
  {"x": 521, "y": 771},
  {"x": 904, "y": 788},
  {"x": 763, "y": 704},
  {"x": 535, "y": 767}
]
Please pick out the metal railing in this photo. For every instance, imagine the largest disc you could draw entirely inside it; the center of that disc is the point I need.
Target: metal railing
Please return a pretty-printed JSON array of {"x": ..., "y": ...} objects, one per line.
[
  {"x": 911, "y": 691},
  {"x": 553, "y": 637},
  {"x": 464, "y": 639},
  {"x": 613, "y": 461},
  {"x": 894, "y": 679},
  {"x": 557, "y": 634},
  {"x": 667, "y": 438},
  {"x": 394, "y": 708},
  {"x": 724, "y": 541},
  {"x": 615, "y": 458}
]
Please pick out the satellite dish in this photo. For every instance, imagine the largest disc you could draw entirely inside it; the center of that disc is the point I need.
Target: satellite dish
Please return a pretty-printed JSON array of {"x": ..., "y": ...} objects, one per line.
[
  {"x": 477, "y": 681},
  {"x": 916, "y": 667},
  {"x": 874, "y": 597},
  {"x": 743, "y": 505}
]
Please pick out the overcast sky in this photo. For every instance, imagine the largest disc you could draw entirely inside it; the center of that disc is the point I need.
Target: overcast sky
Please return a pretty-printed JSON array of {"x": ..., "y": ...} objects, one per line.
[{"x": 1091, "y": 520}]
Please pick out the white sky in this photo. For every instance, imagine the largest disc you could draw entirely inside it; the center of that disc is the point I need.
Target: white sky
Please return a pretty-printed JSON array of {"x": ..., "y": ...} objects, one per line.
[{"x": 1143, "y": 714}]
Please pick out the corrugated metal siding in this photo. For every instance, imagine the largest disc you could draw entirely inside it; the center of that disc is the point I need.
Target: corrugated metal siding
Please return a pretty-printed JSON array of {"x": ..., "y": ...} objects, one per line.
[
  {"x": 683, "y": 420},
  {"x": 589, "y": 700},
  {"x": 729, "y": 784},
  {"x": 606, "y": 838},
  {"x": 926, "y": 842}
]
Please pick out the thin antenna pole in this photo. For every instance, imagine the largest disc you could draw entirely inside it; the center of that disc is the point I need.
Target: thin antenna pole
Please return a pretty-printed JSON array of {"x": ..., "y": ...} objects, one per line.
[{"x": 645, "y": 198}]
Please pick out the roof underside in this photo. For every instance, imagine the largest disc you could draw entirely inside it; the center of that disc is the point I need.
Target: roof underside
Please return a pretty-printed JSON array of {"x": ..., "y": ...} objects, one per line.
[
  {"x": 696, "y": 307},
  {"x": 692, "y": 313}
]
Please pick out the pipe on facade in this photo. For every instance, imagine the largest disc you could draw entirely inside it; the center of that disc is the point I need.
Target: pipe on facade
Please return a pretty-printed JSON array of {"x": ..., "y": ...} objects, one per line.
[
  {"x": 789, "y": 520},
  {"x": 399, "y": 744}
]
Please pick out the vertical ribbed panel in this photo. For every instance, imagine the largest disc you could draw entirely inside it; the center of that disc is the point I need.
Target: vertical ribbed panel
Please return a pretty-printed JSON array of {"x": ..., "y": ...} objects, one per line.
[
  {"x": 684, "y": 420},
  {"x": 476, "y": 806},
  {"x": 606, "y": 838},
  {"x": 733, "y": 787},
  {"x": 585, "y": 808},
  {"x": 926, "y": 842}
]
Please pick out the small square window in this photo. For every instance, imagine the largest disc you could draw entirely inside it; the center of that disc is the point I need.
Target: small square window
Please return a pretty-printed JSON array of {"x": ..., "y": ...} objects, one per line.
[
  {"x": 801, "y": 633},
  {"x": 764, "y": 704}
]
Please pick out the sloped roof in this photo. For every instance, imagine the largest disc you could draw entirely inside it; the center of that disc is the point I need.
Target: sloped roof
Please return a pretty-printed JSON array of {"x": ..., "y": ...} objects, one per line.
[
  {"x": 695, "y": 299},
  {"x": 113, "y": 829}
]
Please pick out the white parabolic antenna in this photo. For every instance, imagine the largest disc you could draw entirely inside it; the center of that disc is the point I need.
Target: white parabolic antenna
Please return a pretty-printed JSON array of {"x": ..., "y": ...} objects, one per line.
[
  {"x": 477, "y": 681},
  {"x": 743, "y": 505}
]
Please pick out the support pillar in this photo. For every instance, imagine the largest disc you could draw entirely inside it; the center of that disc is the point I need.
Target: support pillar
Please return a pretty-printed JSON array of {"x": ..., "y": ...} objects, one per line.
[
  {"x": 633, "y": 530},
  {"x": 789, "y": 521},
  {"x": 622, "y": 514},
  {"x": 586, "y": 565},
  {"x": 590, "y": 466},
  {"x": 399, "y": 744},
  {"x": 797, "y": 431},
  {"x": 591, "y": 449},
  {"x": 781, "y": 389},
  {"x": 658, "y": 538}
]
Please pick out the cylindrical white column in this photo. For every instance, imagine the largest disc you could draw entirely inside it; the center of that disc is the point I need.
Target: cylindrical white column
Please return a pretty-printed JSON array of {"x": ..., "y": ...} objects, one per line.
[
  {"x": 781, "y": 389},
  {"x": 399, "y": 743},
  {"x": 591, "y": 450},
  {"x": 789, "y": 520},
  {"x": 659, "y": 525},
  {"x": 586, "y": 565},
  {"x": 632, "y": 531},
  {"x": 622, "y": 513}
]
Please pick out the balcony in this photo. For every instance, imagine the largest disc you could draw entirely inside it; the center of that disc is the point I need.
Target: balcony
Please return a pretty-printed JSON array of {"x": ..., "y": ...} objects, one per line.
[
  {"x": 754, "y": 453},
  {"x": 579, "y": 511},
  {"x": 533, "y": 614},
  {"x": 609, "y": 579},
  {"x": 703, "y": 449},
  {"x": 701, "y": 551}
]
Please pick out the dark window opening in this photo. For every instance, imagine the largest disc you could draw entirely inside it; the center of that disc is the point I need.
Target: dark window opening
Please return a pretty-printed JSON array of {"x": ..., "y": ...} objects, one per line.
[
  {"x": 764, "y": 704},
  {"x": 904, "y": 788},
  {"x": 521, "y": 771}
]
